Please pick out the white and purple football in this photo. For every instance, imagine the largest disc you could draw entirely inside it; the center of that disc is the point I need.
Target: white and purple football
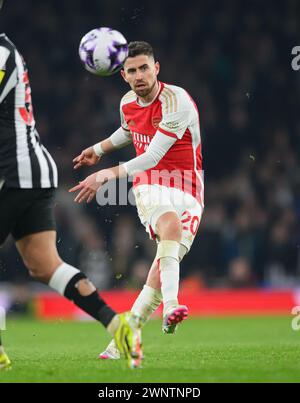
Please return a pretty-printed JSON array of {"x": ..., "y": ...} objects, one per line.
[{"x": 103, "y": 51}]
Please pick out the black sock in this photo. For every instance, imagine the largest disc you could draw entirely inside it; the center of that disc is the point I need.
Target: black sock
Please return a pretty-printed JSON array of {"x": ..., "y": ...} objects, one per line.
[{"x": 92, "y": 304}]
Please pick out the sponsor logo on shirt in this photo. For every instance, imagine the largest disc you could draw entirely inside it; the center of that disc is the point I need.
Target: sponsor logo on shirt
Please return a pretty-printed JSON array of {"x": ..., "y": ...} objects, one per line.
[{"x": 171, "y": 125}]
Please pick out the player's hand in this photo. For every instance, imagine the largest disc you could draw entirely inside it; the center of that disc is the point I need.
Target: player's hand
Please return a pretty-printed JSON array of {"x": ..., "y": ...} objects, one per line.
[
  {"x": 89, "y": 187},
  {"x": 88, "y": 157}
]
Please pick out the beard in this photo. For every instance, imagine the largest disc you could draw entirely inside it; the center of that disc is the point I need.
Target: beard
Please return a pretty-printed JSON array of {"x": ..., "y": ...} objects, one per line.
[{"x": 144, "y": 91}]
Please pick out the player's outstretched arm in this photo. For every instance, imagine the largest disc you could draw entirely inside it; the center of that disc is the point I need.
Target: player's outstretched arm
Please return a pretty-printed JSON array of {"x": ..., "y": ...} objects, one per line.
[
  {"x": 158, "y": 147},
  {"x": 92, "y": 155},
  {"x": 89, "y": 186}
]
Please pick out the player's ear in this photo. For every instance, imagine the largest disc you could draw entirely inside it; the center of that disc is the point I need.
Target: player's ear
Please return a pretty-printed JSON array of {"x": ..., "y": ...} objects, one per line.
[
  {"x": 157, "y": 68},
  {"x": 123, "y": 75}
]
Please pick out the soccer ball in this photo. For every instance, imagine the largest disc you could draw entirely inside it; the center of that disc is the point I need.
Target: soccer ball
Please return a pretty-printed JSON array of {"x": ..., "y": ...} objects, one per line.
[{"x": 103, "y": 51}]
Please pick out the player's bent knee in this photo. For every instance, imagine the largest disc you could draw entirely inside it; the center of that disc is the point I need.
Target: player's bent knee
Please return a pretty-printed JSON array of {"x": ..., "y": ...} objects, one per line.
[
  {"x": 39, "y": 268},
  {"x": 38, "y": 275},
  {"x": 169, "y": 226}
]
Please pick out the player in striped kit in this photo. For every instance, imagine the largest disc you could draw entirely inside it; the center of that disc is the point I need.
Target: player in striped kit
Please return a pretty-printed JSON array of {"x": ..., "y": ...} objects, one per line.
[
  {"x": 162, "y": 122},
  {"x": 28, "y": 178}
]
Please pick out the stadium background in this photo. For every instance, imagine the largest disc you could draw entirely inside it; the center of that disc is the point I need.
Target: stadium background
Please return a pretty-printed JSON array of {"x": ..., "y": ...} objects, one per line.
[{"x": 234, "y": 58}]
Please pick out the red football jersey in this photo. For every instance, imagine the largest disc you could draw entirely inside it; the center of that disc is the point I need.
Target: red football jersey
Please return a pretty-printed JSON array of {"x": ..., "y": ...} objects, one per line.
[{"x": 174, "y": 113}]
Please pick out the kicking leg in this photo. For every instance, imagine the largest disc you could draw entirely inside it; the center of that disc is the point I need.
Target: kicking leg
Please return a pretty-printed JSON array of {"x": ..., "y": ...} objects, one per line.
[
  {"x": 40, "y": 255},
  {"x": 146, "y": 303}
]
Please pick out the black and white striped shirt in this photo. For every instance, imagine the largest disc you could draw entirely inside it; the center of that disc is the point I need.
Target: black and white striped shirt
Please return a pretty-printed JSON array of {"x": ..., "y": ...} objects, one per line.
[{"x": 24, "y": 161}]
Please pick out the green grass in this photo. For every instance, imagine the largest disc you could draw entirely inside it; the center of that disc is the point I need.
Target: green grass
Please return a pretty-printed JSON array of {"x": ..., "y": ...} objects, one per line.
[{"x": 236, "y": 349}]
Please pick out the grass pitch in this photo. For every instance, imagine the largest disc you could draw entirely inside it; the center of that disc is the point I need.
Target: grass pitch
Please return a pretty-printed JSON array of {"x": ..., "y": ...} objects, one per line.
[{"x": 234, "y": 349}]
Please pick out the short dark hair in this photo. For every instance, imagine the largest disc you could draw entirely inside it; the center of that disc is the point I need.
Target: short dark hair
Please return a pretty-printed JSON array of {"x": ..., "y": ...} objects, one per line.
[{"x": 137, "y": 48}]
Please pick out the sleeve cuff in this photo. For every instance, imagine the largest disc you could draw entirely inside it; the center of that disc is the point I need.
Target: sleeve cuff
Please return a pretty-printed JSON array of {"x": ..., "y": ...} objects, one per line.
[{"x": 98, "y": 149}]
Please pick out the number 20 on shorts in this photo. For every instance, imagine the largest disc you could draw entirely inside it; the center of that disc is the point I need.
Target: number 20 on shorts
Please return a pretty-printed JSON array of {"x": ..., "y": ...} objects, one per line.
[{"x": 189, "y": 222}]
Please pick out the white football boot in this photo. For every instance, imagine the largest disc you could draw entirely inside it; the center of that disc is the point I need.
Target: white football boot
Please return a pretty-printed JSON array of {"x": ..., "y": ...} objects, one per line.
[
  {"x": 111, "y": 352},
  {"x": 172, "y": 317}
]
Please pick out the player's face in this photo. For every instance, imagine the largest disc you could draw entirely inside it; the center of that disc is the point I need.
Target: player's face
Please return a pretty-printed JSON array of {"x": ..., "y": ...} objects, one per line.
[{"x": 140, "y": 72}]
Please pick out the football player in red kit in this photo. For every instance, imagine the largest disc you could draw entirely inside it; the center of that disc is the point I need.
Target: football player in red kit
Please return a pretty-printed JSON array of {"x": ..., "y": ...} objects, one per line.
[{"x": 162, "y": 122}]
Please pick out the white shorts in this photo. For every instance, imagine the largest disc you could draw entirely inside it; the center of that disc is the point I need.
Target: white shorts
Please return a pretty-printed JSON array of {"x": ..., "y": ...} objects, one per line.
[{"x": 154, "y": 200}]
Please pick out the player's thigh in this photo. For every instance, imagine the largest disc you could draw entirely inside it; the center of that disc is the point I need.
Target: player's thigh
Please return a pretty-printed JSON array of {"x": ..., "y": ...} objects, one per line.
[
  {"x": 152, "y": 201},
  {"x": 38, "y": 215},
  {"x": 39, "y": 252},
  {"x": 190, "y": 213},
  {"x": 12, "y": 206},
  {"x": 35, "y": 231}
]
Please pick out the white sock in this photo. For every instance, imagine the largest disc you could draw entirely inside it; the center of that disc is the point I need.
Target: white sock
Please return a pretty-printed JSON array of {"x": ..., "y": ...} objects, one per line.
[
  {"x": 168, "y": 255},
  {"x": 146, "y": 303},
  {"x": 62, "y": 276},
  {"x": 169, "y": 276}
]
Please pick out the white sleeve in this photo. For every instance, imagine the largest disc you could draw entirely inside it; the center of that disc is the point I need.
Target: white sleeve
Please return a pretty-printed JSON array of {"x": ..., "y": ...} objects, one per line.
[
  {"x": 176, "y": 111},
  {"x": 158, "y": 147},
  {"x": 121, "y": 138}
]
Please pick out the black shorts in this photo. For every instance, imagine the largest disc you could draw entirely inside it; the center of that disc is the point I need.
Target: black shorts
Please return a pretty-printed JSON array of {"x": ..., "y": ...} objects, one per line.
[{"x": 25, "y": 211}]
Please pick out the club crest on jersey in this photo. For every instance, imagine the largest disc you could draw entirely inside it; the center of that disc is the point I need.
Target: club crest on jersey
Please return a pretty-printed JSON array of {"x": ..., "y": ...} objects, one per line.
[{"x": 156, "y": 121}]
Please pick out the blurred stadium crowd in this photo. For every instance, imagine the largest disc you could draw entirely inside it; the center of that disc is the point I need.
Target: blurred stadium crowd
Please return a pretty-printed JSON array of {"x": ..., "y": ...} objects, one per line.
[{"x": 235, "y": 60}]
